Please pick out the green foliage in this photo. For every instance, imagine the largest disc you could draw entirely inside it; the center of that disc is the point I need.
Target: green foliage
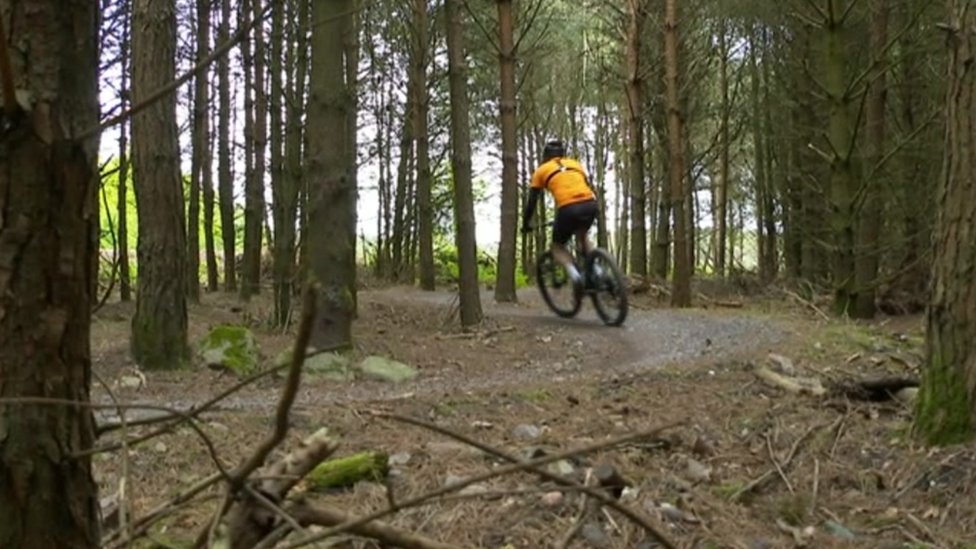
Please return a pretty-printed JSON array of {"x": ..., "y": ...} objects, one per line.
[{"x": 109, "y": 216}]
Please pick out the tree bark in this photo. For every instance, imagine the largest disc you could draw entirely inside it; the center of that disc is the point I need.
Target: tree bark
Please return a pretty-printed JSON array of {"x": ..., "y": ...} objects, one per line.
[
  {"x": 255, "y": 135},
  {"x": 634, "y": 88},
  {"x": 843, "y": 180},
  {"x": 722, "y": 185},
  {"x": 48, "y": 498},
  {"x": 425, "y": 213},
  {"x": 505, "y": 281},
  {"x": 122, "y": 204},
  {"x": 225, "y": 181},
  {"x": 469, "y": 291},
  {"x": 159, "y": 327},
  {"x": 331, "y": 200},
  {"x": 869, "y": 227},
  {"x": 681, "y": 279},
  {"x": 945, "y": 410},
  {"x": 201, "y": 146}
]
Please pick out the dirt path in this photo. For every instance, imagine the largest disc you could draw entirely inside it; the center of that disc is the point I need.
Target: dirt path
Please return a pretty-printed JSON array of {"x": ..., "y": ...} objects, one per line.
[{"x": 529, "y": 347}]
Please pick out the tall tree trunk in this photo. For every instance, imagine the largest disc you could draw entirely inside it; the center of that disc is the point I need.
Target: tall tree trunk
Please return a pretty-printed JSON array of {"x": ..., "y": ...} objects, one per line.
[
  {"x": 871, "y": 197},
  {"x": 251, "y": 247},
  {"x": 760, "y": 173},
  {"x": 350, "y": 54},
  {"x": 469, "y": 292},
  {"x": 843, "y": 179},
  {"x": 505, "y": 281},
  {"x": 122, "y": 205},
  {"x": 681, "y": 281},
  {"x": 634, "y": 88},
  {"x": 276, "y": 109},
  {"x": 600, "y": 152},
  {"x": 401, "y": 229},
  {"x": 225, "y": 180},
  {"x": 201, "y": 145},
  {"x": 331, "y": 200},
  {"x": 213, "y": 275},
  {"x": 425, "y": 213},
  {"x": 48, "y": 497},
  {"x": 286, "y": 194},
  {"x": 159, "y": 327},
  {"x": 722, "y": 185},
  {"x": 255, "y": 138},
  {"x": 945, "y": 412}
]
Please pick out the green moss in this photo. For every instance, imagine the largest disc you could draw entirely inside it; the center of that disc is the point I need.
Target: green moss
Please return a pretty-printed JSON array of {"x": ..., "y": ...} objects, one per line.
[
  {"x": 231, "y": 347},
  {"x": 943, "y": 413},
  {"x": 347, "y": 471},
  {"x": 536, "y": 395}
]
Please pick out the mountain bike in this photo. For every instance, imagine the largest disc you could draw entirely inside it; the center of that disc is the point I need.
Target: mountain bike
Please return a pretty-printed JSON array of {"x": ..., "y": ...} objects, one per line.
[{"x": 602, "y": 279}]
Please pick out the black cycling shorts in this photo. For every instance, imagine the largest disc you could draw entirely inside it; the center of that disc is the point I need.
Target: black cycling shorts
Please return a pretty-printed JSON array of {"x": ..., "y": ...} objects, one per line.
[{"x": 573, "y": 218}]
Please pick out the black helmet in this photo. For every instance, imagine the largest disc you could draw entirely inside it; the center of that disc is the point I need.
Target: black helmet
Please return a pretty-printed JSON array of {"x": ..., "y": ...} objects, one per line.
[{"x": 553, "y": 149}]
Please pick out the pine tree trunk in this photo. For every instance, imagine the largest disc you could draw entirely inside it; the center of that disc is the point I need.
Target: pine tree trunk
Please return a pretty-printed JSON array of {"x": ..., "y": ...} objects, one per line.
[
  {"x": 945, "y": 411},
  {"x": 400, "y": 247},
  {"x": 843, "y": 180},
  {"x": 331, "y": 200},
  {"x": 722, "y": 184},
  {"x": 425, "y": 213},
  {"x": 225, "y": 181},
  {"x": 201, "y": 145},
  {"x": 505, "y": 281},
  {"x": 871, "y": 200},
  {"x": 48, "y": 498},
  {"x": 276, "y": 109},
  {"x": 634, "y": 87},
  {"x": 122, "y": 205},
  {"x": 209, "y": 231},
  {"x": 681, "y": 280},
  {"x": 470, "y": 294},
  {"x": 159, "y": 327}
]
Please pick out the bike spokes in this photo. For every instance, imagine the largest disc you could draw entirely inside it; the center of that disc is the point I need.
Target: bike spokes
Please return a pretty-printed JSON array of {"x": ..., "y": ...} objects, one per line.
[{"x": 608, "y": 288}]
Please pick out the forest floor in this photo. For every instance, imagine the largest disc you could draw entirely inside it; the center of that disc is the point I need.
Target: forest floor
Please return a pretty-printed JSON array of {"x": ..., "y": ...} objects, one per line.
[{"x": 750, "y": 465}]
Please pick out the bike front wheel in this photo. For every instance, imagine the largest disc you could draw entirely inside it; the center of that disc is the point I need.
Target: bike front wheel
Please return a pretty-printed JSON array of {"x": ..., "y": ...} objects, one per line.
[
  {"x": 556, "y": 287},
  {"x": 609, "y": 287}
]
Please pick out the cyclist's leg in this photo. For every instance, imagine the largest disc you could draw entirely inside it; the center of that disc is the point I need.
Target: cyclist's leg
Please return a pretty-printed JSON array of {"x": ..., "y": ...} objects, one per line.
[{"x": 563, "y": 228}]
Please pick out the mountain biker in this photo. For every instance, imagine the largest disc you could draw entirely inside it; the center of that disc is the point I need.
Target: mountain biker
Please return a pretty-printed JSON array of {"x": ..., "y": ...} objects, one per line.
[{"x": 576, "y": 205}]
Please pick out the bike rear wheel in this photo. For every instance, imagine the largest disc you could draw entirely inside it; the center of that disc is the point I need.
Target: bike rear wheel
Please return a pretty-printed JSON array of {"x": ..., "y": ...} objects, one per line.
[
  {"x": 555, "y": 286},
  {"x": 608, "y": 282}
]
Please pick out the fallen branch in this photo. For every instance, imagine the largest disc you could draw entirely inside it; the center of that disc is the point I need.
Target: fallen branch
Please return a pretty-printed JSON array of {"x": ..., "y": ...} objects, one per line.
[
  {"x": 761, "y": 481},
  {"x": 532, "y": 466},
  {"x": 794, "y": 385},
  {"x": 387, "y": 535}
]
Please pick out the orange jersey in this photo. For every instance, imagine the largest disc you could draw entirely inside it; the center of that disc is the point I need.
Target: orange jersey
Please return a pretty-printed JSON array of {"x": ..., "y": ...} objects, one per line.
[{"x": 565, "y": 179}]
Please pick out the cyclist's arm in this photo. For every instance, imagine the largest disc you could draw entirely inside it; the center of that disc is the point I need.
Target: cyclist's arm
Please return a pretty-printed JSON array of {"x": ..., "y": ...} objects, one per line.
[
  {"x": 535, "y": 189},
  {"x": 529, "y": 210}
]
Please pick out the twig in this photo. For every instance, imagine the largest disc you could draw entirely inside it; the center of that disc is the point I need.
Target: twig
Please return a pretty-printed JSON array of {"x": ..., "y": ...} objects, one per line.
[
  {"x": 384, "y": 533},
  {"x": 175, "y": 84},
  {"x": 192, "y": 412},
  {"x": 288, "y": 394},
  {"x": 577, "y": 525},
  {"x": 816, "y": 484},
  {"x": 779, "y": 468},
  {"x": 762, "y": 479},
  {"x": 211, "y": 449},
  {"x": 124, "y": 525},
  {"x": 558, "y": 479},
  {"x": 161, "y": 511},
  {"x": 806, "y": 303},
  {"x": 237, "y": 478}
]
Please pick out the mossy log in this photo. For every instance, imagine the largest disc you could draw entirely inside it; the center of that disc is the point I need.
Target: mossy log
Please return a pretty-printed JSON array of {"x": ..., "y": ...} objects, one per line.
[{"x": 347, "y": 471}]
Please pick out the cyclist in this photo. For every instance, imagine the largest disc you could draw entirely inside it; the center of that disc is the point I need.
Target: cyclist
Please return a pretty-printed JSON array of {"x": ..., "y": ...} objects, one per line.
[{"x": 576, "y": 205}]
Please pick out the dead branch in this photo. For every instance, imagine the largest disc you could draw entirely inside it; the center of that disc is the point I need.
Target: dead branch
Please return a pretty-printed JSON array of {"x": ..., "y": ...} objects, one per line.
[
  {"x": 387, "y": 535},
  {"x": 532, "y": 466},
  {"x": 761, "y": 481},
  {"x": 799, "y": 386}
]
